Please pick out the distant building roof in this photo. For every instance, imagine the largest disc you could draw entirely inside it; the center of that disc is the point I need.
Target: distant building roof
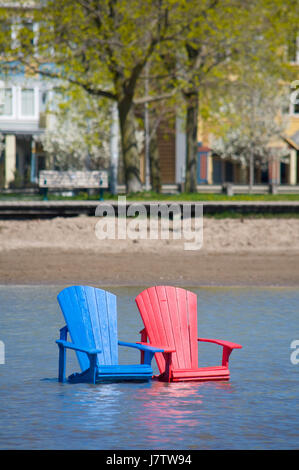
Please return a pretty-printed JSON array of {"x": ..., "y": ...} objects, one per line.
[
  {"x": 203, "y": 148},
  {"x": 295, "y": 138}
]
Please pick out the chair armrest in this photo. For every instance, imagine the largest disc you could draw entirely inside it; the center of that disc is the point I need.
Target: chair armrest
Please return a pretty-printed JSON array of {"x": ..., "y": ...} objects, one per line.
[
  {"x": 227, "y": 348},
  {"x": 147, "y": 350},
  {"x": 167, "y": 353},
  {"x": 141, "y": 346},
  {"x": 226, "y": 344},
  {"x": 165, "y": 349},
  {"x": 67, "y": 344}
]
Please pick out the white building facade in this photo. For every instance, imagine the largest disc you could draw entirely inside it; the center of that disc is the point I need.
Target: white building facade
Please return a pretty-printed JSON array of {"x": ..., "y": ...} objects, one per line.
[{"x": 22, "y": 120}]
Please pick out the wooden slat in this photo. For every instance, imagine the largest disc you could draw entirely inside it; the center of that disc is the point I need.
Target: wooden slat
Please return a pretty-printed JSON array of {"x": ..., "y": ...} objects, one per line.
[
  {"x": 103, "y": 322},
  {"x": 167, "y": 321},
  {"x": 213, "y": 378},
  {"x": 204, "y": 373},
  {"x": 149, "y": 308},
  {"x": 94, "y": 299},
  {"x": 192, "y": 315},
  {"x": 112, "y": 328},
  {"x": 84, "y": 312},
  {"x": 177, "y": 325},
  {"x": 125, "y": 369},
  {"x": 79, "y": 331},
  {"x": 181, "y": 295}
]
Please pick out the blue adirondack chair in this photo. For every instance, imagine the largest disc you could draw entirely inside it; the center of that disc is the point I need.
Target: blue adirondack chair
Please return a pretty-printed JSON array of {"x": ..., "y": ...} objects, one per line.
[{"x": 91, "y": 320}]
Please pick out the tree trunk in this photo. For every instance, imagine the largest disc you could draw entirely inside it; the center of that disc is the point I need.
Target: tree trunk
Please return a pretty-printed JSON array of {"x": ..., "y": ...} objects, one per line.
[
  {"x": 191, "y": 139},
  {"x": 155, "y": 164},
  {"x": 114, "y": 135},
  {"x": 130, "y": 153}
]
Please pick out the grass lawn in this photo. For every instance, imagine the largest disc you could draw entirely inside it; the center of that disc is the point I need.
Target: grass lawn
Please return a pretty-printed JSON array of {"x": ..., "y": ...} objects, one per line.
[
  {"x": 144, "y": 196},
  {"x": 188, "y": 197},
  {"x": 152, "y": 196}
]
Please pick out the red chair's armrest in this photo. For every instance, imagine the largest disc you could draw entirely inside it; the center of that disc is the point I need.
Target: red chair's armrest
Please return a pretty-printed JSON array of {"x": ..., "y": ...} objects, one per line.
[
  {"x": 227, "y": 344},
  {"x": 227, "y": 348}
]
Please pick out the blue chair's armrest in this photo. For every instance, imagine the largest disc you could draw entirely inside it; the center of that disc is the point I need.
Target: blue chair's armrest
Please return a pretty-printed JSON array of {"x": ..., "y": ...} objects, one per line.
[
  {"x": 67, "y": 344},
  {"x": 141, "y": 347}
]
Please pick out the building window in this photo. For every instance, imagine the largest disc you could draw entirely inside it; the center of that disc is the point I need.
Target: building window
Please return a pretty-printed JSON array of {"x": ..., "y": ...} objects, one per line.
[
  {"x": 27, "y": 102},
  {"x": 293, "y": 47},
  {"x": 294, "y": 98},
  {"x": 295, "y": 102},
  {"x": 6, "y": 107}
]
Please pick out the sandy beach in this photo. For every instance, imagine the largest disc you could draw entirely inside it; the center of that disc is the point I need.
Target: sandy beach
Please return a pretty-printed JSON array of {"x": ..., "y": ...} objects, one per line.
[{"x": 238, "y": 252}]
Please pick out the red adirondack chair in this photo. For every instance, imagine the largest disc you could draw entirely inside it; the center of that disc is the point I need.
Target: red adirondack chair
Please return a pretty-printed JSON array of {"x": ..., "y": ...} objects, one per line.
[{"x": 169, "y": 315}]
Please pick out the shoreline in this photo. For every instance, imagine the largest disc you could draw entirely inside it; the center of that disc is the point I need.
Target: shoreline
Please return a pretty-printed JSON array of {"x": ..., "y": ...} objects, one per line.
[
  {"x": 61, "y": 251},
  {"x": 58, "y": 267}
]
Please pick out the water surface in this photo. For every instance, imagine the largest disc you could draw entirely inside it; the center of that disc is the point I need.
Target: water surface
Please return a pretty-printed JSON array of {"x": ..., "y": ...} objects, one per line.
[{"x": 256, "y": 409}]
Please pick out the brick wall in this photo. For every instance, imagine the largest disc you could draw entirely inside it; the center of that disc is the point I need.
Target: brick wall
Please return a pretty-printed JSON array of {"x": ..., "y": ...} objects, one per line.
[{"x": 166, "y": 145}]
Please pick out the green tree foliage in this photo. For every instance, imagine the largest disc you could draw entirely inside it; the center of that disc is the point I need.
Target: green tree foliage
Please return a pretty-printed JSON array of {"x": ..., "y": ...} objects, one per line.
[{"x": 73, "y": 138}]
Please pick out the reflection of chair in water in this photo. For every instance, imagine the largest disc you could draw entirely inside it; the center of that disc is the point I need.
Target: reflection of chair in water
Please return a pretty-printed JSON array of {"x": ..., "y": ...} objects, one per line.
[
  {"x": 169, "y": 315},
  {"x": 91, "y": 320}
]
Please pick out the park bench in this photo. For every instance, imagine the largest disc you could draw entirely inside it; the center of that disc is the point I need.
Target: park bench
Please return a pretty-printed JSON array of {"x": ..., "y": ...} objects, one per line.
[{"x": 70, "y": 180}]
